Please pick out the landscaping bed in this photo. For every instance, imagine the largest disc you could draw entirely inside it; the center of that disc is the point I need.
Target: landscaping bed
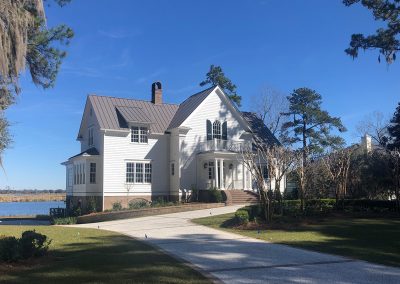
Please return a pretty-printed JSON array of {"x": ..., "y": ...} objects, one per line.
[{"x": 148, "y": 211}]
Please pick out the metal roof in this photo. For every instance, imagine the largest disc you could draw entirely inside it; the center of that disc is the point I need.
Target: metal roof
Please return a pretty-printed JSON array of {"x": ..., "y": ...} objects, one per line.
[
  {"x": 133, "y": 114},
  {"x": 259, "y": 129},
  {"x": 90, "y": 152},
  {"x": 188, "y": 106},
  {"x": 105, "y": 109}
]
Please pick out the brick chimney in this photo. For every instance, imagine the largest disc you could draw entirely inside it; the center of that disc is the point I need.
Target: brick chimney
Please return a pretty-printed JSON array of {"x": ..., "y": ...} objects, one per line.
[{"x": 156, "y": 93}]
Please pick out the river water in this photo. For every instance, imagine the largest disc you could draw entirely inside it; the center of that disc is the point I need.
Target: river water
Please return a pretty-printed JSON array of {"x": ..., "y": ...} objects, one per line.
[{"x": 28, "y": 208}]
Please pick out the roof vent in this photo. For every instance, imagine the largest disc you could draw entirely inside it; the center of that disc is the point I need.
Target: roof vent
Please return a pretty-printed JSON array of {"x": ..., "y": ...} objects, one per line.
[{"x": 156, "y": 93}]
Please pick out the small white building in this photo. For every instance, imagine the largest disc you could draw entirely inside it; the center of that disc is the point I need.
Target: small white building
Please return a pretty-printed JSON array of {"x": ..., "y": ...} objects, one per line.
[{"x": 135, "y": 149}]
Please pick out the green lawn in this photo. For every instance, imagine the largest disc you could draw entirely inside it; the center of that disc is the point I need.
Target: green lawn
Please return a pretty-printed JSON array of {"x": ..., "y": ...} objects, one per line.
[
  {"x": 96, "y": 256},
  {"x": 375, "y": 240}
]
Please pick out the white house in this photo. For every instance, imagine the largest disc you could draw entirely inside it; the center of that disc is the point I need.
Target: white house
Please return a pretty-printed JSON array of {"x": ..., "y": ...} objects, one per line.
[{"x": 135, "y": 149}]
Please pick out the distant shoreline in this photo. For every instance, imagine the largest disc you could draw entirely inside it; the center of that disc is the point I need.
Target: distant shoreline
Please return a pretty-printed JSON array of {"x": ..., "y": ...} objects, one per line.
[{"x": 41, "y": 197}]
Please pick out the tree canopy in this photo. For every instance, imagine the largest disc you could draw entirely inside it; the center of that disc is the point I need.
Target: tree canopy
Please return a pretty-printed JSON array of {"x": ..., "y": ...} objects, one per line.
[
  {"x": 27, "y": 43},
  {"x": 311, "y": 126},
  {"x": 386, "y": 39},
  {"x": 394, "y": 130},
  {"x": 216, "y": 76}
]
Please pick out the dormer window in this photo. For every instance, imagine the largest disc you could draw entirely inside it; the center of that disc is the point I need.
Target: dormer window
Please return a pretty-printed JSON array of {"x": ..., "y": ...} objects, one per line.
[
  {"x": 90, "y": 136},
  {"x": 216, "y": 130},
  {"x": 139, "y": 134}
]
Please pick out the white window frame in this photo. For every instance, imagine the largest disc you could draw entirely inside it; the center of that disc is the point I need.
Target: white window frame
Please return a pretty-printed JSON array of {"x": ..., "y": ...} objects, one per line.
[
  {"x": 141, "y": 132},
  {"x": 139, "y": 171},
  {"x": 92, "y": 173},
  {"x": 217, "y": 125}
]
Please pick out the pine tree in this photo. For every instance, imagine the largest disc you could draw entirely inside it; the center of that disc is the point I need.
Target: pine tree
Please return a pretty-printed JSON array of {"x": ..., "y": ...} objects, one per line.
[
  {"x": 394, "y": 130},
  {"x": 217, "y": 77}
]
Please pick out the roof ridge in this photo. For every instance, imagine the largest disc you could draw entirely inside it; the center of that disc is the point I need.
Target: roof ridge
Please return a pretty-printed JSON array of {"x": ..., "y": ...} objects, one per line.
[{"x": 140, "y": 100}]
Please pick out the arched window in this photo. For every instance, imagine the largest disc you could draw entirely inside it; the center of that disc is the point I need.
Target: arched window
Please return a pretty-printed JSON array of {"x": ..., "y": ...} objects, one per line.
[{"x": 217, "y": 130}]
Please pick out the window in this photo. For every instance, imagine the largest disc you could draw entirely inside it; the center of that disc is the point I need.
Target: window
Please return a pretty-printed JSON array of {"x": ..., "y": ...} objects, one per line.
[
  {"x": 217, "y": 130},
  {"x": 90, "y": 137},
  {"x": 130, "y": 172},
  {"x": 264, "y": 171},
  {"x": 211, "y": 171},
  {"x": 92, "y": 172},
  {"x": 79, "y": 174},
  {"x": 147, "y": 173},
  {"x": 143, "y": 134},
  {"x": 70, "y": 176},
  {"x": 138, "y": 172},
  {"x": 139, "y": 134},
  {"x": 172, "y": 169}
]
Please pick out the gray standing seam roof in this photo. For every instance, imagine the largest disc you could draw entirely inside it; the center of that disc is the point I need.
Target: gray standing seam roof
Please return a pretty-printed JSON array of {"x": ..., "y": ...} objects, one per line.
[
  {"x": 260, "y": 130},
  {"x": 108, "y": 117},
  {"x": 188, "y": 106},
  {"x": 116, "y": 113}
]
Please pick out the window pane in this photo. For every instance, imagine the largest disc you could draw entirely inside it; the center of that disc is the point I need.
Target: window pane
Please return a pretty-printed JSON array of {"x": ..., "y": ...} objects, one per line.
[
  {"x": 130, "y": 172},
  {"x": 147, "y": 174},
  {"x": 92, "y": 172},
  {"x": 217, "y": 130},
  {"x": 135, "y": 134},
  {"x": 143, "y": 134},
  {"x": 139, "y": 173}
]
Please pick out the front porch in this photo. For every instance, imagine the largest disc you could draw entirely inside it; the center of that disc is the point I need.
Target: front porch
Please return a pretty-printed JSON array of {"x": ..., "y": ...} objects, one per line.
[{"x": 222, "y": 170}]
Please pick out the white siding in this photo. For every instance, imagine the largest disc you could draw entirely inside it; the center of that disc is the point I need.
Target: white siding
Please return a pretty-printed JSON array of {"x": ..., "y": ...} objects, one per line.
[
  {"x": 212, "y": 108},
  {"x": 118, "y": 150}
]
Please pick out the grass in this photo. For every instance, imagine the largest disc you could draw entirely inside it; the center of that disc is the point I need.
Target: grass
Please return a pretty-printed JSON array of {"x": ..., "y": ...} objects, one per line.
[
  {"x": 32, "y": 197},
  {"x": 375, "y": 240},
  {"x": 89, "y": 255}
]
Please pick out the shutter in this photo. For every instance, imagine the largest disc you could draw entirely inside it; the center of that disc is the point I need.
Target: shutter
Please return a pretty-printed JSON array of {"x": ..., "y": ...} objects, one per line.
[
  {"x": 224, "y": 131},
  {"x": 209, "y": 130}
]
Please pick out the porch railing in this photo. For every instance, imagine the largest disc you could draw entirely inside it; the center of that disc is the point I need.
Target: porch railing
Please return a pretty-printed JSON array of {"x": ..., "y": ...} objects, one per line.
[{"x": 224, "y": 145}]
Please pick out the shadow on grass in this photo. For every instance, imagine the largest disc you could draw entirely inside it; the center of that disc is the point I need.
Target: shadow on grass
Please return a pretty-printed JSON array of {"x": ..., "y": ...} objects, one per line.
[
  {"x": 106, "y": 259},
  {"x": 370, "y": 239}
]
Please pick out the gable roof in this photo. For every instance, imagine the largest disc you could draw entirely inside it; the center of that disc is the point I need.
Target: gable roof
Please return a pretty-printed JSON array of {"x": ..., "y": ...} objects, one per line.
[
  {"x": 110, "y": 110},
  {"x": 260, "y": 130},
  {"x": 188, "y": 106}
]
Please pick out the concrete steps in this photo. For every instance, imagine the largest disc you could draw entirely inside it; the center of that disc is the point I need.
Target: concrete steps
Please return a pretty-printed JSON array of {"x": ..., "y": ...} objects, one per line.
[{"x": 241, "y": 197}]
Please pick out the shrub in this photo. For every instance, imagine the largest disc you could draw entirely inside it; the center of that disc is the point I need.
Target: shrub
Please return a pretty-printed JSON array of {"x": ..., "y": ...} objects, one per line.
[
  {"x": 33, "y": 244},
  {"x": 241, "y": 217},
  {"x": 91, "y": 206},
  {"x": 9, "y": 249},
  {"x": 159, "y": 202},
  {"x": 137, "y": 204},
  {"x": 117, "y": 206},
  {"x": 64, "y": 221},
  {"x": 215, "y": 195}
]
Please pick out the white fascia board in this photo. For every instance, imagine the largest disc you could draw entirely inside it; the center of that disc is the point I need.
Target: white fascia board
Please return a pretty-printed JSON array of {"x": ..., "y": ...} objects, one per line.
[{"x": 233, "y": 108}]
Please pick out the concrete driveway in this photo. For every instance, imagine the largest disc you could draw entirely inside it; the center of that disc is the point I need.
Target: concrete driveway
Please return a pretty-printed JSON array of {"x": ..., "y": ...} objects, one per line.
[{"x": 233, "y": 258}]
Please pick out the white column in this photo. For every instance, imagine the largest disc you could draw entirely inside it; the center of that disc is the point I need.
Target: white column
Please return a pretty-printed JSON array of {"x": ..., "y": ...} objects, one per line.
[
  {"x": 216, "y": 173},
  {"x": 222, "y": 174},
  {"x": 244, "y": 175}
]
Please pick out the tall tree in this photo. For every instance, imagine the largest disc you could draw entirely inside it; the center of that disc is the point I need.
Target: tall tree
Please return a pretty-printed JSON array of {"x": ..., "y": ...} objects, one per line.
[
  {"x": 386, "y": 39},
  {"x": 310, "y": 130},
  {"x": 27, "y": 43},
  {"x": 270, "y": 106},
  {"x": 215, "y": 76},
  {"x": 394, "y": 130},
  {"x": 374, "y": 125}
]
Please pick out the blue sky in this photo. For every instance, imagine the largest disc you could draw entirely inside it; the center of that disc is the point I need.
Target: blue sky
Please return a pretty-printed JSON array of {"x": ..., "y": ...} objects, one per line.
[{"x": 121, "y": 47}]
